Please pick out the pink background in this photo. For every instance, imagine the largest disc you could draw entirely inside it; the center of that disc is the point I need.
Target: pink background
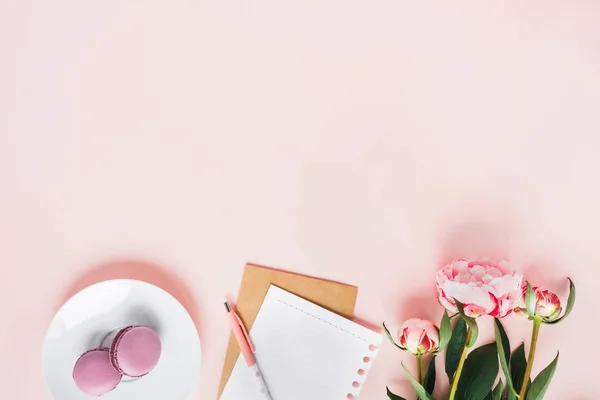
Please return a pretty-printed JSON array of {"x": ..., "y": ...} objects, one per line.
[{"x": 364, "y": 142}]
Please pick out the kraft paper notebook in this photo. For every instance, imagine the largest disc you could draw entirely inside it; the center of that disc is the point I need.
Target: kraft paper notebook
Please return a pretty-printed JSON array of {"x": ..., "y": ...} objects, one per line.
[
  {"x": 336, "y": 297},
  {"x": 304, "y": 352}
]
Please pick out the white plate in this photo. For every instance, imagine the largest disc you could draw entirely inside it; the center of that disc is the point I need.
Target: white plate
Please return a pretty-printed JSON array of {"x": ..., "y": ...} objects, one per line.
[{"x": 86, "y": 318}]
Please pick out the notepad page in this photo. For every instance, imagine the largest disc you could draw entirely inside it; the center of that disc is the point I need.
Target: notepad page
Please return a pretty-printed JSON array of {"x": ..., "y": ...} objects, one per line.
[{"x": 304, "y": 352}]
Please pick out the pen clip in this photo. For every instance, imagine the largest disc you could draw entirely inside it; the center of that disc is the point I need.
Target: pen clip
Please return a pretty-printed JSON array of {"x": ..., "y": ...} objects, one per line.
[{"x": 245, "y": 332}]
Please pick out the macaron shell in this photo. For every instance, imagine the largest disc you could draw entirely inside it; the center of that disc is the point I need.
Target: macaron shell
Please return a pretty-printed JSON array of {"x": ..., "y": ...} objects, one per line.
[
  {"x": 113, "y": 348},
  {"x": 135, "y": 351},
  {"x": 94, "y": 374}
]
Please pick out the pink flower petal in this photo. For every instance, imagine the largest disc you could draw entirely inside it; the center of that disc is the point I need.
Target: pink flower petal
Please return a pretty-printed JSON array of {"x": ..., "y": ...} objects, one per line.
[{"x": 483, "y": 286}]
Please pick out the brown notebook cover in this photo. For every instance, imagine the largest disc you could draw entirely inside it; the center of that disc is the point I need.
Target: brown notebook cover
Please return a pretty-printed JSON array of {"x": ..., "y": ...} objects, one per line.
[{"x": 337, "y": 297}]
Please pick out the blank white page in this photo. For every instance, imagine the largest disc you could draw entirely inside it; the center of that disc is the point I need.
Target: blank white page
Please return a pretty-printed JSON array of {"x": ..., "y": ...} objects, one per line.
[{"x": 304, "y": 352}]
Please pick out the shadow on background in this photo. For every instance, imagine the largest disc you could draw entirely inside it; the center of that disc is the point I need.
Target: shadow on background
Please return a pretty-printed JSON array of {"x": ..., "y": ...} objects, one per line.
[
  {"x": 142, "y": 271},
  {"x": 546, "y": 273},
  {"x": 476, "y": 240},
  {"x": 422, "y": 305},
  {"x": 367, "y": 324}
]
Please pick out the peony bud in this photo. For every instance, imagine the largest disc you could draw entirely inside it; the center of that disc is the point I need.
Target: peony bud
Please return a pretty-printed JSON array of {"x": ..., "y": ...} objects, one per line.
[
  {"x": 547, "y": 304},
  {"x": 419, "y": 336}
]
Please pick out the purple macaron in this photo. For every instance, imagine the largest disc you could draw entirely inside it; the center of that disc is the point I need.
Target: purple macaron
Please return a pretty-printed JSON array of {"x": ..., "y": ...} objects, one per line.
[
  {"x": 135, "y": 351},
  {"x": 94, "y": 374}
]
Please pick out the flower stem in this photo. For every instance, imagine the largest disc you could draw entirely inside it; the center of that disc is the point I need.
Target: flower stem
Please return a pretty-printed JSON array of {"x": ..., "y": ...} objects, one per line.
[
  {"x": 537, "y": 322},
  {"x": 420, "y": 367},
  {"x": 461, "y": 363}
]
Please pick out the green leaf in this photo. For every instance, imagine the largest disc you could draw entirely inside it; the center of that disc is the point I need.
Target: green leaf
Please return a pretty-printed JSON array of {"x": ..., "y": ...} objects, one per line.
[
  {"x": 455, "y": 346},
  {"x": 488, "y": 396},
  {"x": 540, "y": 384},
  {"x": 511, "y": 396},
  {"x": 421, "y": 392},
  {"x": 479, "y": 373},
  {"x": 393, "y": 396},
  {"x": 505, "y": 342},
  {"x": 518, "y": 364},
  {"x": 445, "y": 331},
  {"x": 470, "y": 321},
  {"x": 497, "y": 393},
  {"x": 389, "y": 335},
  {"x": 530, "y": 301},
  {"x": 429, "y": 379},
  {"x": 503, "y": 346},
  {"x": 570, "y": 303}
]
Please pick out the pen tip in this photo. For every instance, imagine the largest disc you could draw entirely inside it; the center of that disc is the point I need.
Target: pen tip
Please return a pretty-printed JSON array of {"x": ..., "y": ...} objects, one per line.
[{"x": 227, "y": 307}]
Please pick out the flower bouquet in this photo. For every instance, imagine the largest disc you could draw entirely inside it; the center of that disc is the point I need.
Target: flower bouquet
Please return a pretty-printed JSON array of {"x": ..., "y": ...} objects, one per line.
[{"x": 470, "y": 289}]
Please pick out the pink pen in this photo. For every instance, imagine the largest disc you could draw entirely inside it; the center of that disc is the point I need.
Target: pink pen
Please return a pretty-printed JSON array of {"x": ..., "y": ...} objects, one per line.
[{"x": 247, "y": 350}]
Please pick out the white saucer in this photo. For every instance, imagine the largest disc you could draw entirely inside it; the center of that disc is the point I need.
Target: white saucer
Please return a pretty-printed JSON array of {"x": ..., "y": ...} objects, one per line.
[{"x": 88, "y": 317}]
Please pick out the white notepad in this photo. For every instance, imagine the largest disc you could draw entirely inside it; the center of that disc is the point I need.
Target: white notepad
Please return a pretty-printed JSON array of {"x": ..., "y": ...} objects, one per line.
[{"x": 304, "y": 352}]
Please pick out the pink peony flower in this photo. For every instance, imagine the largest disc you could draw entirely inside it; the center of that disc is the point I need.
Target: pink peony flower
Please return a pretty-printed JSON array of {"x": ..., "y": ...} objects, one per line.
[
  {"x": 483, "y": 287},
  {"x": 419, "y": 336},
  {"x": 547, "y": 304}
]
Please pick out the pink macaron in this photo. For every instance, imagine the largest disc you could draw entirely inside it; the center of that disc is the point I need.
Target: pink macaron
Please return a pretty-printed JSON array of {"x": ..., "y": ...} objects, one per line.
[
  {"x": 94, "y": 374},
  {"x": 135, "y": 351}
]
